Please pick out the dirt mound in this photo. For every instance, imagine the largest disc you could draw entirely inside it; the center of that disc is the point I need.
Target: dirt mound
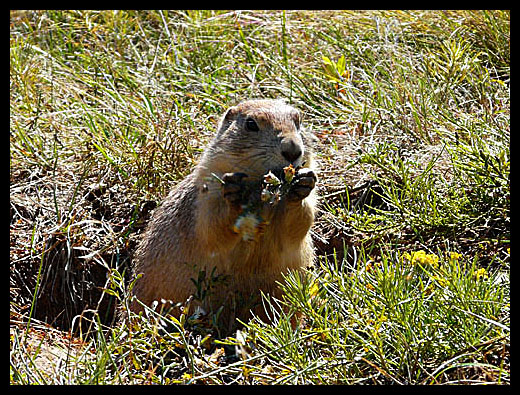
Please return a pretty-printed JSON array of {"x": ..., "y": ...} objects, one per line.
[{"x": 64, "y": 262}]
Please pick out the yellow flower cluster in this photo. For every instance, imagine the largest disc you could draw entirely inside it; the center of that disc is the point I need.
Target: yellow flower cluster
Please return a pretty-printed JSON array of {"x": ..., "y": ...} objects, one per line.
[
  {"x": 454, "y": 256},
  {"x": 481, "y": 273},
  {"x": 440, "y": 280},
  {"x": 421, "y": 257}
]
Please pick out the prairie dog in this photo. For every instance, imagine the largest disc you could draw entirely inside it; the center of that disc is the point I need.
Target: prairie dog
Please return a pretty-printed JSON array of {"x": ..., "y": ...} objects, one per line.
[{"x": 192, "y": 238}]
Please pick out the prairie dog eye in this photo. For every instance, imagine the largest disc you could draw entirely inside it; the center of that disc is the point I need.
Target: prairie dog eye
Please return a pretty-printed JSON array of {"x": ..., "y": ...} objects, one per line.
[{"x": 251, "y": 125}]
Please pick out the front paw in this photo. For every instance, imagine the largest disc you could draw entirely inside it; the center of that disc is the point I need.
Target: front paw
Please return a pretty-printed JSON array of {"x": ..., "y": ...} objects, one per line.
[
  {"x": 302, "y": 185},
  {"x": 233, "y": 188}
]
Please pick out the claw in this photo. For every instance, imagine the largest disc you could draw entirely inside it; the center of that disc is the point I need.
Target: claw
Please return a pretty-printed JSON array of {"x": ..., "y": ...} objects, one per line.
[
  {"x": 304, "y": 183},
  {"x": 233, "y": 178},
  {"x": 232, "y": 187}
]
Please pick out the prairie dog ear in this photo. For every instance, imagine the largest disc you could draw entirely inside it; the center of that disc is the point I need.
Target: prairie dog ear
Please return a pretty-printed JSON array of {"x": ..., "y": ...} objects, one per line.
[
  {"x": 297, "y": 118},
  {"x": 226, "y": 120},
  {"x": 309, "y": 138}
]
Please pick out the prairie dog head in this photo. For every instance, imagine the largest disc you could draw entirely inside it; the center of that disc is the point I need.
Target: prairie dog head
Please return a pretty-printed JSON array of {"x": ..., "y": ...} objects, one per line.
[{"x": 256, "y": 136}]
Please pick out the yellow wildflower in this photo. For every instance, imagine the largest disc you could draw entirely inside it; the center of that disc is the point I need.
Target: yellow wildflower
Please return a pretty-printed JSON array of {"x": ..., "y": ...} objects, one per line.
[
  {"x": 289, "y": 173},
  {"x": 271, "y": 179},
  {"x": 481, "y": 273},
  {"x": 245, "y": 370},
  {"x": 421, "y": 257},
  {"x": 287, "y": 370},
  {"x": 372, "y": 265},
  {"x": 439, "y": 280},
  {"x": 454, "y": 256},
  {"x": 313, "y": 291}
]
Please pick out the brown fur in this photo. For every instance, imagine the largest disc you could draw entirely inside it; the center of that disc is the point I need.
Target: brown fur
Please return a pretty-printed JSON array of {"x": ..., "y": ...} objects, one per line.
[{"x": 192, "y": 230}]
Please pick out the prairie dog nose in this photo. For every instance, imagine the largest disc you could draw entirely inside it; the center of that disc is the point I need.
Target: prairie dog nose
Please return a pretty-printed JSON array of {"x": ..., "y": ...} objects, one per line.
[{"x": 291, "y": 150}]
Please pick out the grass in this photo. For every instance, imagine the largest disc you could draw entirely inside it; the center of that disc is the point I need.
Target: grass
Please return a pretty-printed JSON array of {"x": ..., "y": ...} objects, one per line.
[{"x": 110, "y": 109}]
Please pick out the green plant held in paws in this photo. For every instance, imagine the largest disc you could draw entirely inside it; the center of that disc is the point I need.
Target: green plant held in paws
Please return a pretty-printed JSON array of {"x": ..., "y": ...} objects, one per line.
[{"x": 250, "y": 223}]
